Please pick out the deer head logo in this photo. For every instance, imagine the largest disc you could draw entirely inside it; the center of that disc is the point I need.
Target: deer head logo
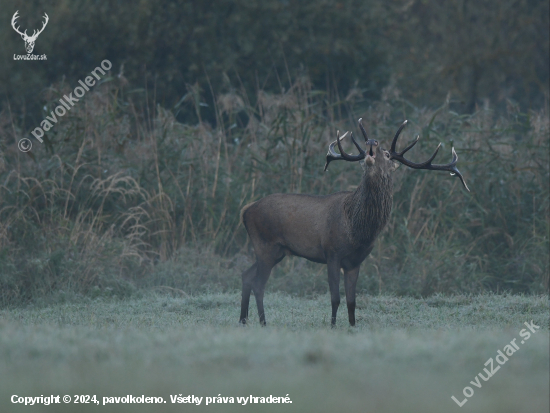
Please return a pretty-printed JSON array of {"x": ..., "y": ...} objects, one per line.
[{"x": 29, "y": 40}]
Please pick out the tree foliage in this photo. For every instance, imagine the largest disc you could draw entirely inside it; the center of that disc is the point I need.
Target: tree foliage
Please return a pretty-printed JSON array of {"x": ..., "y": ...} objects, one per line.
[{"x": 488, "y": 50}]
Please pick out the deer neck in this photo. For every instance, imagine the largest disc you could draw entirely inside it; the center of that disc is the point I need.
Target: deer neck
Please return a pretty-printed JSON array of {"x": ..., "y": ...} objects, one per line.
[{"x": 368, "y": 208}]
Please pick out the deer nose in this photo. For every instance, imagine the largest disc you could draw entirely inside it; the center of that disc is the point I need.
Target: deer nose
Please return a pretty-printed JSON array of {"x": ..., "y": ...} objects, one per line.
[{"x": 372, "y": 142}]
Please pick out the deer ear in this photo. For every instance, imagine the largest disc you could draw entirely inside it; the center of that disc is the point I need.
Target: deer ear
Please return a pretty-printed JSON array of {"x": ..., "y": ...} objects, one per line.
[{"x": 395, "y": 165}]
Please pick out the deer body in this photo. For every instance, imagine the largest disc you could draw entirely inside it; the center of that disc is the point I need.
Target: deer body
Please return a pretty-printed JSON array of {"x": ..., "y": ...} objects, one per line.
[
  {"x": 338, "y": 230},
  {"x": 317, "y": 227}
]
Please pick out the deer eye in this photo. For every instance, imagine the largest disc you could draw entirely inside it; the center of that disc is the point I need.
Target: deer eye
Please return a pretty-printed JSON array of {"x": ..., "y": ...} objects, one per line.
[{"x": 387, "y": 154}]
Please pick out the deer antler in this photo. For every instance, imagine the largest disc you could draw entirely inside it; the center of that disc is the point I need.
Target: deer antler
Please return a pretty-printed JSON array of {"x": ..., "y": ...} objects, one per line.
[
  {"x": 363, "y": 131},
  {"x": 13, "y": 19},
  {"x": 46, "y": 20},
  {"x": 398, "y": 156},
  {"x": 332, "y": 155},
  {"x": 24, "y": 34}
]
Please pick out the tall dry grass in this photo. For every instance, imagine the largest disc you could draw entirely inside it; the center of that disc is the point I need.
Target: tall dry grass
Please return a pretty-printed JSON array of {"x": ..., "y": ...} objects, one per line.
[{"x": 121, "y": 194}]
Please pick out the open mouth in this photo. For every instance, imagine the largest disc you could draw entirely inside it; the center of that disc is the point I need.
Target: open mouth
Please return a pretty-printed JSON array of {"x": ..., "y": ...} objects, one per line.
[
  {"x": 371, "y": 151},
  {"x": 371, "y": 154}
]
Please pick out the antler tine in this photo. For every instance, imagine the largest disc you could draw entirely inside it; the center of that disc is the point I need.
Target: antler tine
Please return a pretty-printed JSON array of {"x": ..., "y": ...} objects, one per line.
[
  {"x": 345, "y": 156},
  {"x": 35, "y": 33},
  {"x": 394, "y": 142},
  {"x": 392, "y": 149},
  {"x": 13, "y": 23},
  {"x": 454, "y": 169},
  {"x": 332, "y": 155},
  {"x": 363, "y": 131},
  {"x": 450, "y": 167},
  {"x": 411, "y": 145},
  {"x": 429, "y": 161},
  {"x": 46, "y": 20},
  {"x": 361, "y": 151},
  {"x": 333, "y": 144}
]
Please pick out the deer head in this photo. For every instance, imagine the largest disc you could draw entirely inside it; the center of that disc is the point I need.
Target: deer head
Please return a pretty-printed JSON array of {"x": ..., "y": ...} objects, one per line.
[{"x": 29, "y": 40}]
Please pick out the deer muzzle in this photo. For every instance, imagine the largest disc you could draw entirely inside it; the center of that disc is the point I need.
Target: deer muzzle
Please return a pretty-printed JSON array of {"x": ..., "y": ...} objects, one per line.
[{"x": 371, "y": 151}]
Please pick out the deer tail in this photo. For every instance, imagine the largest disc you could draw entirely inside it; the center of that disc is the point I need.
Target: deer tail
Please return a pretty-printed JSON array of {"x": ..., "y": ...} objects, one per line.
[{"x": 244, "y": 208}]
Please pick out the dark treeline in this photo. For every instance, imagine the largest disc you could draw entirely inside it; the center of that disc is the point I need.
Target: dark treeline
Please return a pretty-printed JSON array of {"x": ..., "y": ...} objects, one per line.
[{"x": 482, "y": 52}]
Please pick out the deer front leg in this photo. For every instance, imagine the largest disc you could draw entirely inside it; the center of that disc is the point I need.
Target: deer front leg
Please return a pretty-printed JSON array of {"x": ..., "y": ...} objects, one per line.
[
  {"x": 350, "y": 281},
  {"x": 263, "y": 272},
  {"x": 334, "y": 285}
]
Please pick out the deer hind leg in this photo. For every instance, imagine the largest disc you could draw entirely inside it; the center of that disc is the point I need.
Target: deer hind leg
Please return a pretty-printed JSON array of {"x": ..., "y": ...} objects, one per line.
[
  {"x": 248, "y": 279},
  {"x": 334, "y": 285},
  {"x": 266, "y": 258},
  {"x": 255, "y": 278},
  {"x": 350, "y": 281}
]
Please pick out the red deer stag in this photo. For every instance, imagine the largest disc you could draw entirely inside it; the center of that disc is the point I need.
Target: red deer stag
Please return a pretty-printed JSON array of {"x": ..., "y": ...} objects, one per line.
[{"x": 338, "y": 229}]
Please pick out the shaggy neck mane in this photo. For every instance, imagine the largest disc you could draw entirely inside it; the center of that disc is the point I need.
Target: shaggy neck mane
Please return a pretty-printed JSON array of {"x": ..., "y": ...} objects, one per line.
[{"x": 368, "y": 208}]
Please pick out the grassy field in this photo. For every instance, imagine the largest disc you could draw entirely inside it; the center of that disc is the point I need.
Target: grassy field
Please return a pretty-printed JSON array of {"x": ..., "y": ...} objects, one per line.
[{"x": 405, "y": 355}]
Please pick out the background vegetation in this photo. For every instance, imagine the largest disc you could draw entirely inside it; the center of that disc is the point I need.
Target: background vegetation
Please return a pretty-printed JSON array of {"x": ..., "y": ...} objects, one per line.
[
  {"x": 211, "y": 105},
  {"x": 122, "y": 195}
]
